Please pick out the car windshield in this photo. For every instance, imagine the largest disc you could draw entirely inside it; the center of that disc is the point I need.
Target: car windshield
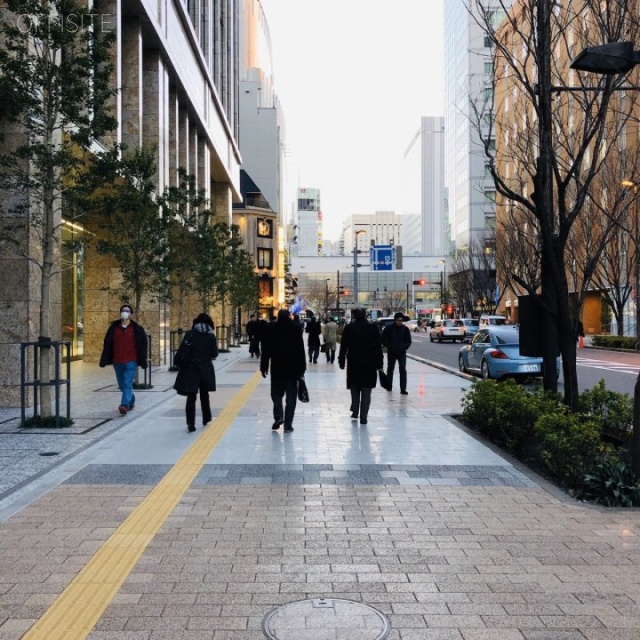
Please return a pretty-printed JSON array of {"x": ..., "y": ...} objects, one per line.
[
  {"x": 453, "y": 323},
  {"x": 507, "y": 336}
]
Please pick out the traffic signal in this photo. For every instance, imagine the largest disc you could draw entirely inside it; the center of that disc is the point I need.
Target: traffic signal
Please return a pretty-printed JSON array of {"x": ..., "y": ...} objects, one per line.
[{"x": 421, "y": 282}]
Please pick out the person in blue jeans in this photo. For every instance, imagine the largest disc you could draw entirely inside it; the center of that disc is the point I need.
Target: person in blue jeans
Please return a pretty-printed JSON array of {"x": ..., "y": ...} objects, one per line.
[{"x": 125, "y": 347}]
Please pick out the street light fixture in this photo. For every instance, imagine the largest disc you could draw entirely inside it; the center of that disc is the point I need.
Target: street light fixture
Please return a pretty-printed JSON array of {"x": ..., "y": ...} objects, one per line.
[{"x": 607, "y": 59}]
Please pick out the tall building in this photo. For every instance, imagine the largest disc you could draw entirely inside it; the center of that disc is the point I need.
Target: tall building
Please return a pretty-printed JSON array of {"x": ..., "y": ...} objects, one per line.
[
  {"x": 176, "y": 75},
  {"x": 423, "y": 190},
  {"x": 261, "y": 118},
  {"x": 381, "y": 227},
  {"x": 470, "y": 190},
  {"x": 307, "y": 239},
  {"x": 262, "y": 146}
]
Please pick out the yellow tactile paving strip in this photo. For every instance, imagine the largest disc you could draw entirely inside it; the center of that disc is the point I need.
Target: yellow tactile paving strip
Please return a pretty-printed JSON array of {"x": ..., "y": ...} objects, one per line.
[{"x": 75, "y": 612}]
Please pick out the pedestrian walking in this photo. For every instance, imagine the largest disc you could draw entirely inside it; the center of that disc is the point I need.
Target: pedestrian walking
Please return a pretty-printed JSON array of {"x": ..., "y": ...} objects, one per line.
[
  {"x": 298, "y": 322},
  {"x": 283, "y": 354},
  {"x": 313, "y": 341},
  {"x": 195, "y": 355},
  {"x": 253, "y": 334},
  {"x": 125, "y": 347},
  {"x": 330, "y": 336},
  {"x": 396, "y": 338},
  {"x": 361, "y": 352}
]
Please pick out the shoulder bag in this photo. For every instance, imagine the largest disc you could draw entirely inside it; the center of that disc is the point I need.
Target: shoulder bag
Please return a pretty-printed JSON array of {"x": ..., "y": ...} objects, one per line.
[{"x": 303, "y": 392}]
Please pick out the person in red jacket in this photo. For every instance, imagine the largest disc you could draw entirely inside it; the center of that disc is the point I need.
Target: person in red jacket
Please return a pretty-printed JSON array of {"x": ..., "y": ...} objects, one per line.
[{"x": 125, "y": 347}]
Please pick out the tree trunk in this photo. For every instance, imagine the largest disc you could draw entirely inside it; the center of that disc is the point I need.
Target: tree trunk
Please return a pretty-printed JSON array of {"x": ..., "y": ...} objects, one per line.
[
  {"x": 635, "y": 448},
  {"x": 48, "y": 254}
]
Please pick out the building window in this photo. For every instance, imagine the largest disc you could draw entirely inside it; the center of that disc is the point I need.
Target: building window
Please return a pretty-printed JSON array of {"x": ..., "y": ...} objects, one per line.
[
  {"x": 265, "y": 228},
  {"x": 265, "y": 258}
]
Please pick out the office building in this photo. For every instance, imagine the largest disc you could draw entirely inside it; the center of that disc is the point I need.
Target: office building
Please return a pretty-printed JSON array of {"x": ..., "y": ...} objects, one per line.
[
  {"x": 468, "y": 79},
  {"x": 423, "y": 190},
  {"x": 176, "y": 76}
]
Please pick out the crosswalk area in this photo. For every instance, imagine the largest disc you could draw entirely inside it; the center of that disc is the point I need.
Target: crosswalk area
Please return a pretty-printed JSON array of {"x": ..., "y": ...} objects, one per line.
[{"x": 622, "y": 367}]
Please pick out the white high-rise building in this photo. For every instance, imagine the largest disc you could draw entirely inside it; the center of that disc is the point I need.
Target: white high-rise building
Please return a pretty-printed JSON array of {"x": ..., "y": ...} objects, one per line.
[
  {"x": 470, "y": 190},
  {"x": 308, "y": 224},
  {"x": 423, "y": 190}
]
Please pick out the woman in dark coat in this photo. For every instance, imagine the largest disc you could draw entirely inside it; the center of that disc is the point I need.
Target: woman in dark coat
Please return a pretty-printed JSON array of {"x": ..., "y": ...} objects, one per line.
[
  {"x": 361, "y": 351},
  {"x": 196, "y": 372}
]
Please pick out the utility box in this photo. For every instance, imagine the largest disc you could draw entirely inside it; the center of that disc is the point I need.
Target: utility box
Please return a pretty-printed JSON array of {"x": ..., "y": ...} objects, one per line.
[{"x": 530, "y": 327}]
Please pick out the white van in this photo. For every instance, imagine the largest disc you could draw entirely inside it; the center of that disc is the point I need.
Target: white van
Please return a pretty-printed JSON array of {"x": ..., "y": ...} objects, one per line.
[{"x": 487, "y": 320}]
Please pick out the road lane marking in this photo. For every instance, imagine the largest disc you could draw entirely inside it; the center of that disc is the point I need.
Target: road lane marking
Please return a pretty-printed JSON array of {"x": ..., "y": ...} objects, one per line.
[{"x": 75, "y": 612}]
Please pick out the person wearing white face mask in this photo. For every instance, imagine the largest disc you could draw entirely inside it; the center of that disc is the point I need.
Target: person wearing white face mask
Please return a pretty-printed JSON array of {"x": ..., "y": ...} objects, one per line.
[{"x": 125, "y": 347}]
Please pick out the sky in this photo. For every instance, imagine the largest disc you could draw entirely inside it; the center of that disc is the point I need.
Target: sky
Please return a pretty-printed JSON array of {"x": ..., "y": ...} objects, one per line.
[{"x": 354, "y": 77}]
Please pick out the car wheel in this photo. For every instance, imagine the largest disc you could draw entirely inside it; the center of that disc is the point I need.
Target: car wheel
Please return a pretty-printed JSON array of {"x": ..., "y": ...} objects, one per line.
[
  {"x": 461, "y": 364},
  {"x": 484, "y": 369}
]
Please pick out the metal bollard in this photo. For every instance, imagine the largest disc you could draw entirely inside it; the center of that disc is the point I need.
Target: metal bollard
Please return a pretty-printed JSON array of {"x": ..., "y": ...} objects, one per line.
[{"x": 175, "y": 338}]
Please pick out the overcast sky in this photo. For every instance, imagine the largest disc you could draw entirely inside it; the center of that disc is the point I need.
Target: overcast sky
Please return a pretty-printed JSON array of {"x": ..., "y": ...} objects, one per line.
[{"x": 354, "y": 78}]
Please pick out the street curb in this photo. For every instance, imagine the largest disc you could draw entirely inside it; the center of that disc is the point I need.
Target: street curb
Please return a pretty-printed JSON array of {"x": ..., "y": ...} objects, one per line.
[{"x": 442, "y": 367}]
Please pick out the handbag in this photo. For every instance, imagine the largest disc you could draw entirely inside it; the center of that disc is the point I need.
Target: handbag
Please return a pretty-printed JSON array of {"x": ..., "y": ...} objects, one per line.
[
  {"x": 385, "y": 383},
  {"x": 303, "y": 392},
  {"x": 184, "y": 354},
  {"x": 323, "y": 347}
]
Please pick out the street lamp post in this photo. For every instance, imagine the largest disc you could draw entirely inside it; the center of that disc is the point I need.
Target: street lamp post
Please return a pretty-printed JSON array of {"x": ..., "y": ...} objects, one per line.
[
  {"x": 636, "y": 261},
  {"x": 443, "y": 301},
  {"x": 355, "y": 267},
  {"x": 612, "y": 59},
  {"x": 326, "y": 298}
]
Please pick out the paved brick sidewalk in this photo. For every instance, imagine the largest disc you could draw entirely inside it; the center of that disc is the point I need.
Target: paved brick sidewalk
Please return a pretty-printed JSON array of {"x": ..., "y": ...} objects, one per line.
[{"x": 409, "y": 515}]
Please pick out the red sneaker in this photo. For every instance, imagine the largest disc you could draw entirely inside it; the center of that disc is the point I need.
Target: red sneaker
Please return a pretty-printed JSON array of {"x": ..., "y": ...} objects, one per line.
[{"x": 122, "y": 409}]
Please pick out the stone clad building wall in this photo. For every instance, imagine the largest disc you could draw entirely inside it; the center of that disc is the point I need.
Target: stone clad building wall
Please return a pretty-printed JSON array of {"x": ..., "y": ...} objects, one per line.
[{"x": 177, "y": 94}]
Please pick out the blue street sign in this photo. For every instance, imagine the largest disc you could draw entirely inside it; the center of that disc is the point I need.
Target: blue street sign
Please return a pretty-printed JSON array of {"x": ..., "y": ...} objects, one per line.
[{"x": 383, "y": 257}]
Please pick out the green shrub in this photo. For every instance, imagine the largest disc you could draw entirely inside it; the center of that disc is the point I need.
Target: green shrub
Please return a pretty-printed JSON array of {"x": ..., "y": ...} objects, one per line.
[
  {"x": 610, "y": 410},
  {"x": 570, "y": 444},
  {"x": 506, "y": 412},
  {"x": 617, "y": 342},
  {"x": 611, "y": 483}
]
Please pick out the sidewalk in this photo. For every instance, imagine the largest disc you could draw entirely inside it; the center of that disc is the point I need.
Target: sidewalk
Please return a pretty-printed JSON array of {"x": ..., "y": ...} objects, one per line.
[{"x": 146, "y": 532}]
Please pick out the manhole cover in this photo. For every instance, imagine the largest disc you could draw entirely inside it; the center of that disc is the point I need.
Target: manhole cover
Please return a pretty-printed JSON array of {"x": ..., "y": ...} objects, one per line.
[{"x": 325, "y": 619}]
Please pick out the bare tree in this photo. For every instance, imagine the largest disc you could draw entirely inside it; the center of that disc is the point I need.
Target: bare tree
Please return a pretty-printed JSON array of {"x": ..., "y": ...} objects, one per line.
[
  {"x": 550, "y": 144},
  {"x": 473, "y": 280}
]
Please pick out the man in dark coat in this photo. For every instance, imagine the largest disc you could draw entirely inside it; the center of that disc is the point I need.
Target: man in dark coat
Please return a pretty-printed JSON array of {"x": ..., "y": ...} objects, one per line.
[
  {"x": 283, "y": 348},
  {"x": 125, "y": 347},
  {"x": 361, "y": 351},
  {"x": 396, "y": 338},
  {"x": 314, "y": 329},
  {"x": 196, "y": 372}
]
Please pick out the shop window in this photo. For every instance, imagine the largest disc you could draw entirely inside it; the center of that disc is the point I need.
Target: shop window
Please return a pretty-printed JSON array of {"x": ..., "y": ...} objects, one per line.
[{"x": 265, "y": 258}]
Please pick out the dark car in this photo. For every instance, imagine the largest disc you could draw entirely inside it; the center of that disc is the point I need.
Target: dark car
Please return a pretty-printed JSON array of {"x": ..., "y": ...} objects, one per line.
[{"x": 381, "y": 323}]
